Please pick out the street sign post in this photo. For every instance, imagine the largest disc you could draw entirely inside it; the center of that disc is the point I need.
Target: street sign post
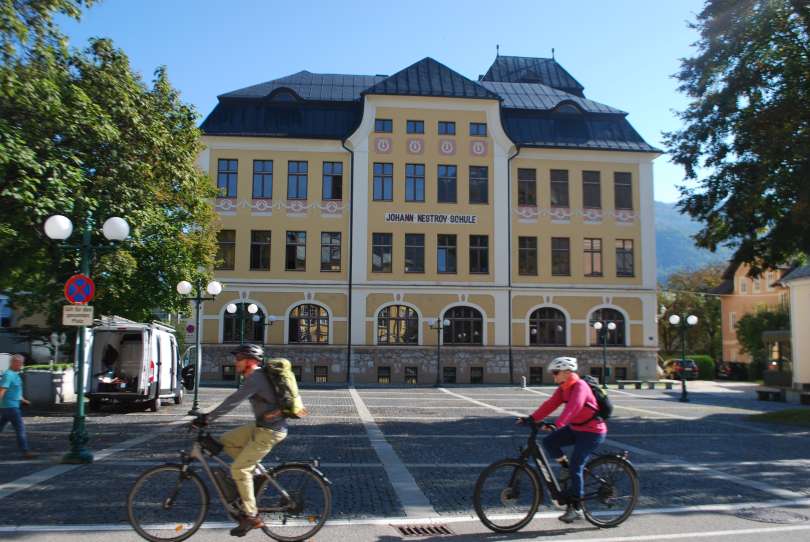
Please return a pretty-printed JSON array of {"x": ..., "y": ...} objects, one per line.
[
  {"x": 77, "y": 315},
  {"x": 79, "y": 289}
]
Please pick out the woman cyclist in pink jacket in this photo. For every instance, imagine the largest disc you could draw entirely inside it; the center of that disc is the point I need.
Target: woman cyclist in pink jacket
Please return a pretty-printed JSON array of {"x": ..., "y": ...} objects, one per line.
[{"x": 579, "y": 426}]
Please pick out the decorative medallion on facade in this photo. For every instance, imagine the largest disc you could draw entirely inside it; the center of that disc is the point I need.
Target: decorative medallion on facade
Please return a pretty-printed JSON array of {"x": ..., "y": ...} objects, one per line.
[
  {"x": 261, "y": 207},
  {"x": 478, "y": 148},
  {"x": 560, "y": 215},
  {"x": 527, "y": 214},
  {"x": 447, "y": 147},
  {"x": 624, "y": 218},
  {"x": 332, "y": 209},
  {"x": 383, "y": 145},
  {"x": 226, "y": 206},
  {"x": 296, "y": 207},
  {"x": 592, "y": 216},
  {"x": 416, "y": 146}
]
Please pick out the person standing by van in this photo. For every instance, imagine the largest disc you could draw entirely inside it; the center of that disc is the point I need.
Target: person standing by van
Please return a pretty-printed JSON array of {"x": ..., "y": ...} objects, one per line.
[
  {"x": 579, "y": 426},
  {"x": 11, "y": 396},
  {"x": 248, "y": 444}
]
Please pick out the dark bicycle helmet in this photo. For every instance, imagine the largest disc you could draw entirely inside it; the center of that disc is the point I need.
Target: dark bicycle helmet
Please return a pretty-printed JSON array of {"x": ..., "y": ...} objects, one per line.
[{"x": 249, "y": 350}]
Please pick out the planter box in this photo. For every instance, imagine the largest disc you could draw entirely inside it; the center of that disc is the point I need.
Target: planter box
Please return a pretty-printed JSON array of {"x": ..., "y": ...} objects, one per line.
[{"x": 45, "y": 388}]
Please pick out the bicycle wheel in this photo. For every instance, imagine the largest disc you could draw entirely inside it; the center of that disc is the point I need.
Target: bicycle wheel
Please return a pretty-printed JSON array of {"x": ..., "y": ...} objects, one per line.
[
  {"x": 305, "y": 515},
  {"x": 166, "y": 504},
  {"x": 611, "y": 491},
  {"x": 507, "y": 495}
]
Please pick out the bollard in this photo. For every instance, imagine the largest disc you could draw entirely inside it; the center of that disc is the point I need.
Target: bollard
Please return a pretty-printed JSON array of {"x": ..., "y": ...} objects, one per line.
[{"x": 524, "y": 381}]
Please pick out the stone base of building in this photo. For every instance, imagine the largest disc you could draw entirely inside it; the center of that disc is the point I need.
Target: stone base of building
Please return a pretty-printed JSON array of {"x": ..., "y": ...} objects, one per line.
[{"x": 417, "y": 365}]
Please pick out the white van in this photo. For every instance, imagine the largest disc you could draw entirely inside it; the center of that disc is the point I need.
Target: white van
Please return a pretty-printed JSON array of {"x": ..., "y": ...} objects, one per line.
[{"x": 133, "y": 362}]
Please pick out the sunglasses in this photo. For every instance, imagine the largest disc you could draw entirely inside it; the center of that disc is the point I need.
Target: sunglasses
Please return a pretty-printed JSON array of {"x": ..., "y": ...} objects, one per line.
[{"x": 555, "y": 373}]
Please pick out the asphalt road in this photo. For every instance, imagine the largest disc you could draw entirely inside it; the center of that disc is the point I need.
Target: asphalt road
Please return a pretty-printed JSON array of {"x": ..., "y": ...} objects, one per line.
[{"x": 407, "y": 456}]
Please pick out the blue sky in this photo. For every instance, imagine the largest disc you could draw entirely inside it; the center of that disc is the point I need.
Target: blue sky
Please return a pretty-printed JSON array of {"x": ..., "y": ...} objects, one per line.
[{"x": 624, "y": 51}]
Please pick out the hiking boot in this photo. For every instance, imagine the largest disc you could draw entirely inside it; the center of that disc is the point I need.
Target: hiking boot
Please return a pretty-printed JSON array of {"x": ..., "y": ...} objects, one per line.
[
  {"x": 247, "y": 524},
  {"x": 572, "y": 514}
]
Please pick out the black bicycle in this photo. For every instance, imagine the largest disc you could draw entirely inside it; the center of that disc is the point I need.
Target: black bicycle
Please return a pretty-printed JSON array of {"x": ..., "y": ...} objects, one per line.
[
  {"x": 508, "y": 492},
  {"x": 170, "y": 502}
]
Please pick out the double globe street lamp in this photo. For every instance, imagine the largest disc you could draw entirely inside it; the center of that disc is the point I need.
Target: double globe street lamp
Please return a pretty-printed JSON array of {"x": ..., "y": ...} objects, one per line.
[
  {"x": 603, "y": 327},
  {"x": 683, "y": 323},
  {"x": 213, "y": 288},
  {"x": 59, "y": 228},
  {"x": 232, "y": 308},
  {"x": 438, "y": 325}
]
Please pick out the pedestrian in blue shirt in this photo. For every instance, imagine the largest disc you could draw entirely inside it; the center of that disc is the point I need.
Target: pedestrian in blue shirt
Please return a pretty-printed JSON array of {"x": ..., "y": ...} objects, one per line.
[{"x": 11, "y": 395}]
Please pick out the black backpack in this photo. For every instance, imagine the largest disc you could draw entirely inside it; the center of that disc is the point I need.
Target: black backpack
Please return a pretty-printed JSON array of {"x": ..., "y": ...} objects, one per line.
[{"x": 602, "y": 400}]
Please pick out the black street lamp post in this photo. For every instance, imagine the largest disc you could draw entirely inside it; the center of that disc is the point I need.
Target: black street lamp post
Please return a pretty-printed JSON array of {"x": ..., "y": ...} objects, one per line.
[
  {"x": 603, "y": 327},
  {"x": 213, "y": 289},
  {"x": 683, "y": 322},
  {"x": 439, "y": 325},
  {"x": 232, "y": 308}
]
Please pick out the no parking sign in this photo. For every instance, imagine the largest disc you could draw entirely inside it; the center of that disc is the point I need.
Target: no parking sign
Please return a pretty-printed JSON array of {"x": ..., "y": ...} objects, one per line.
[{"x": 79, "y": 289}]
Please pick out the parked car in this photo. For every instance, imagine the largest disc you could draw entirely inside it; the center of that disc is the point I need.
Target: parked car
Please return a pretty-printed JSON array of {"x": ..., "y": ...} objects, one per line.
[
  {"x": 732, "y": 370},
  {"x": 134, "y": 363},
  {"x": 678, "y": 369}
]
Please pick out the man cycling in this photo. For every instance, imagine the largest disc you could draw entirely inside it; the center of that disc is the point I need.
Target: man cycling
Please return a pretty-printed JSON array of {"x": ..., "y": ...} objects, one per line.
[
  {"x": 579, "y": 426},
  {"x": 248, "y": 444}
]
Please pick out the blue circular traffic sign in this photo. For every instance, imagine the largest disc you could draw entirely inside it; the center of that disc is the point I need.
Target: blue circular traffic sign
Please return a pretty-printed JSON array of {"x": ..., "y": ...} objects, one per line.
[{"x": 79, "y": 289}]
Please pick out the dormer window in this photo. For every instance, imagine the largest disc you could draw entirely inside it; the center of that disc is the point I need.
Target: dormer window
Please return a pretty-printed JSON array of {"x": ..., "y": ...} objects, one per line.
[
  {"x": 568, "y": 108},
  {"x": 284, "y": 95}
]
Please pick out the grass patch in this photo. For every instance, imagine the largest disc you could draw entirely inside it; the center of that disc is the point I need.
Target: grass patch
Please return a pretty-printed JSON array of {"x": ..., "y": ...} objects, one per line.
[{"x": 791, "y": 416}]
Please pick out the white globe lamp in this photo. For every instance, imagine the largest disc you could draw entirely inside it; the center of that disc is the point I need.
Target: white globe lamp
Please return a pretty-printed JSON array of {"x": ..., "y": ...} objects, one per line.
[
  {"x": 115, "y": 229},
  {"x": 58, "y": 227}
]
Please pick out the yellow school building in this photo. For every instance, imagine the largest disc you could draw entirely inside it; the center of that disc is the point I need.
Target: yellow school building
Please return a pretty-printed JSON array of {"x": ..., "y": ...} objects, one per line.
[{"x": 425, "y": 227}]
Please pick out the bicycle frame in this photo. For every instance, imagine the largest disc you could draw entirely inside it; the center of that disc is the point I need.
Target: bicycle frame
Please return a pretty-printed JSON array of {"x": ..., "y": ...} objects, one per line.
[{"x": 542, "y": 464}]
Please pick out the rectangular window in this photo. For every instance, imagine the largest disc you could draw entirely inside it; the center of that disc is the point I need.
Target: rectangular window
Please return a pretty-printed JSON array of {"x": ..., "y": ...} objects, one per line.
[
  {"x": 560, "y": 256},
  {"x": 447, "y": 127},
  {"x": 476, "y": 375},
  {"x": 559, "y": 188},
  {"x": 757, "y": 286},
  {"x": 411, "y": 375},
  {"x": 296, "y": 259},
  {"x": 383, "y": 181},
  {"x": 743, "y": 285},
  {"x": 624, "y": 258},
  {"x": 732, "y": 321},
  {"x": 621, "y": 373},
  {"x": 226, "y": 252},
  {"x": 591, "y": 190},
  {"x": 527, "y": 187},
  {"x": 332, "y": 181},
  {"x": 479, "y": 184},
  {"x": 381, "y": 252},
  {"x": 226, "y": 177},
  {"x": 447, "y": 184},
  {"x": 415, "y": 126},
  {"x": 262, "y": 179},
  {"x": 527, "y": 255},
  {"x": 769, "y": 282},
  {"x": 330, "y": 251},
  {"x": 593, "y": 257},
  {"x": 446, "y": 254},
  {"x": 414, "y": 252},
  {"x": 414, "y": 182},
  {"x": 479, "y": 254},
  {"x": 383, "y": 126},
  {"x": 260, "y": 250},
  {"x": 623, "y": 186},
  {"x": 321, "y": 374},
  {"x": 298, "y": 373},
  {"x": 535, "y": 375},
  {"x": 478, "y": 129},
  {"x": 449, "y": 375},
  {"x": 596, "y": 372},
  {"x": 297, "y": 179},
  {"x": 383, "y": 375}
]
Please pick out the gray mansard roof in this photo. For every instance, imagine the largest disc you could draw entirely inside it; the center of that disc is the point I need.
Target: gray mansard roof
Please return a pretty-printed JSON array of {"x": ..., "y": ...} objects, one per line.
[{"x": 541, "y": 104}]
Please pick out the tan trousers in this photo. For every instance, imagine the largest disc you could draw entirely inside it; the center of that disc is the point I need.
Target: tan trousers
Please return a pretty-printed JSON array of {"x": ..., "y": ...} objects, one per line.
[{"x": 248, "y": 445}]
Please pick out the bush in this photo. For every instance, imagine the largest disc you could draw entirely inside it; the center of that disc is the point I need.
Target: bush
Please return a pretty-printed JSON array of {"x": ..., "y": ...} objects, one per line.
[{"x": 706, "y": 366}]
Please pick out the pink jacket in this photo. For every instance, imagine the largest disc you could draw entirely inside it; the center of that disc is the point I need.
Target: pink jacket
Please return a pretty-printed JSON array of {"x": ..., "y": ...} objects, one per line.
[{"x": 580, "y": 406}]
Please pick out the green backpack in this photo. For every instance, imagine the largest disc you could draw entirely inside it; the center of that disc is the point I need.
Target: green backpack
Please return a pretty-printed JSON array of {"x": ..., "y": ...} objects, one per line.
[{"x": 282, "y": 381}]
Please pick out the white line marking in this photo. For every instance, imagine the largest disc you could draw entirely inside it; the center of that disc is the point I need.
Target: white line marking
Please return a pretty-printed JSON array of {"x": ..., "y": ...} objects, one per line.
[
  {"x": 399, "y": 520},
  {"x": 27, "y": 482},
  {"x": 413, "y": 500},
  {"x": 718, "y": 475}
]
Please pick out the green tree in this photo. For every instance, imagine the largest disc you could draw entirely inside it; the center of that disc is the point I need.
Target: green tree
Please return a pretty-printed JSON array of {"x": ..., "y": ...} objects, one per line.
[
  {"x": 687, "y": 292},
  {"x": 81, "y": 134},
  {"x": 750, "y": 329},
  {"x": 748, "y": 126}
]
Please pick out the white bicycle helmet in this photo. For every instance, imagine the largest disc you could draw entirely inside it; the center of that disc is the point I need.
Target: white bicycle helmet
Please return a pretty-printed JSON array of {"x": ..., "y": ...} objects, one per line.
[{"x": 563, "y": 364}]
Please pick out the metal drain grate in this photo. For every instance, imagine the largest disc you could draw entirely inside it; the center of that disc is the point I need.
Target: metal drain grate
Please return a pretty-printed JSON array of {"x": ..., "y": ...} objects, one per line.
[
  {"x": 771, "y": 515},
  {"x": 412, "y": 531}
]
